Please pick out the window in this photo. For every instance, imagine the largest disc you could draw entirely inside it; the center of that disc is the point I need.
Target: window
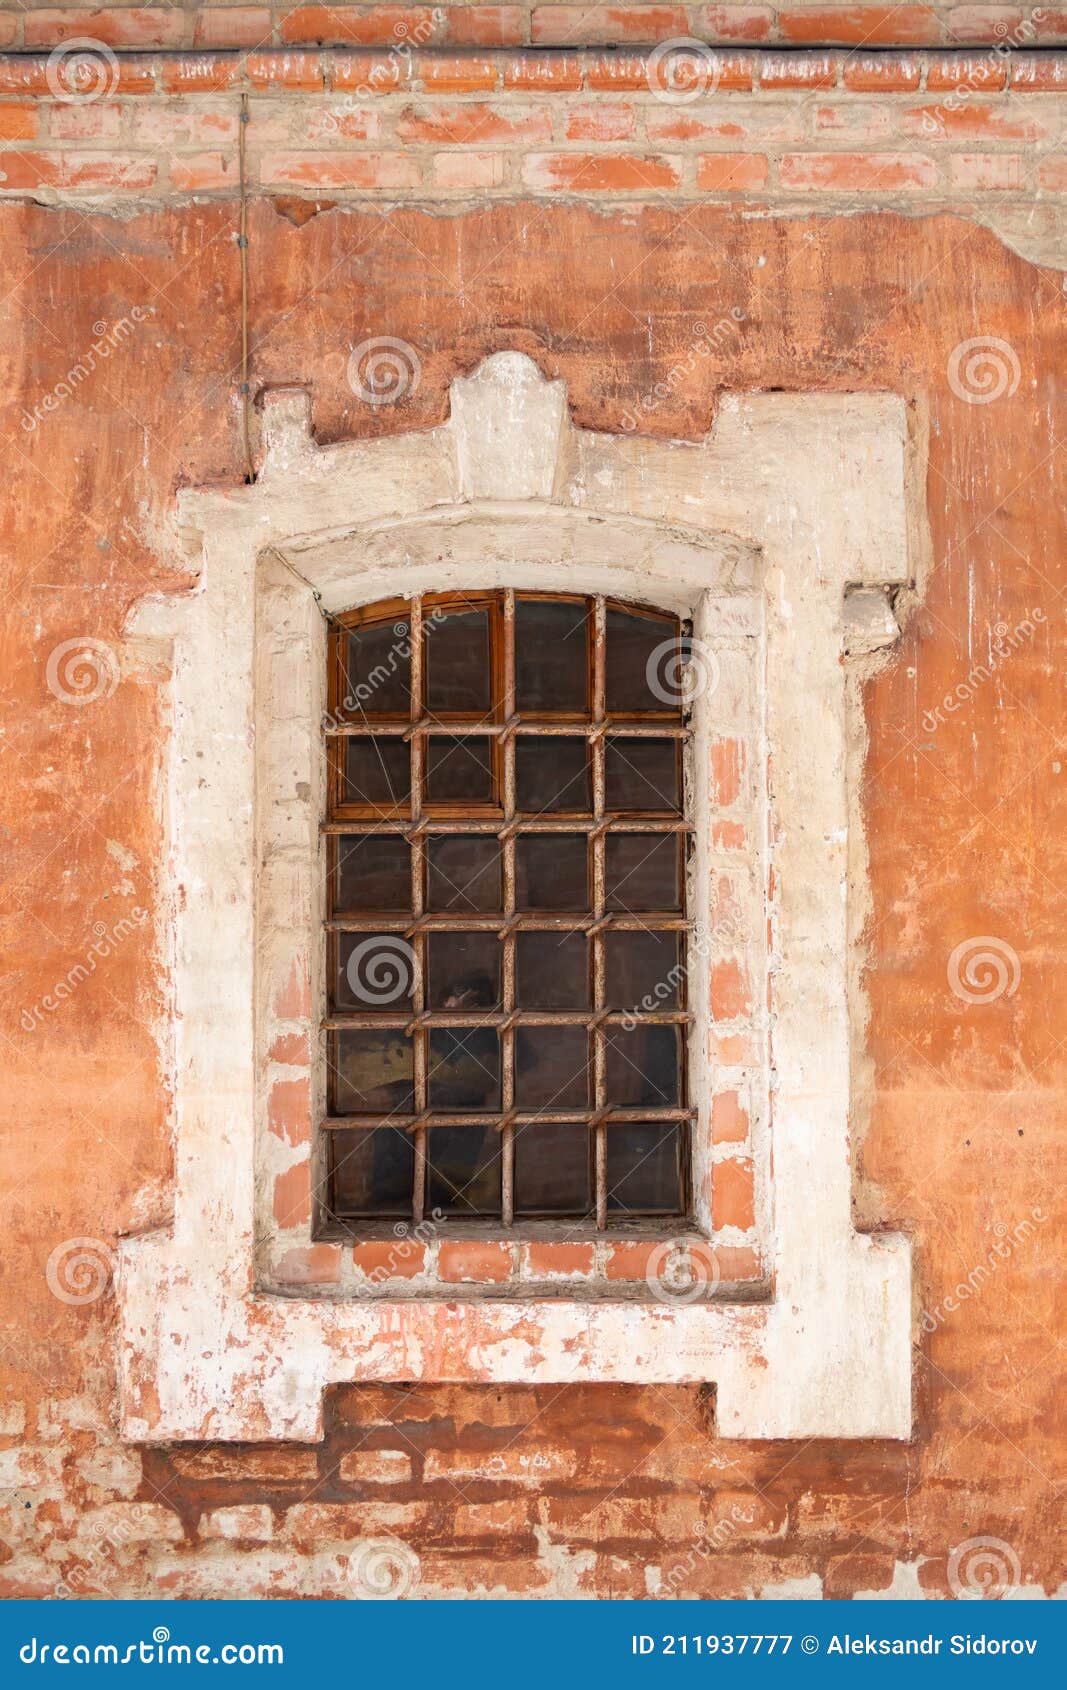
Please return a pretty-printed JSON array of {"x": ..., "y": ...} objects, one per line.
[
  {"x": 506, "y": 911},
  {"x": 787, "y": 554}
]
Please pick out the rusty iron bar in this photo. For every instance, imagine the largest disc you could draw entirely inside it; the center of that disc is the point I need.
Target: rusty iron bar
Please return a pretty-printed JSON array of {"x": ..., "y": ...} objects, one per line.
[
  {"x": 670, "y": 728},
  {"x": 507, "y": 838},
  {"x": 420, "y": 1039},
  {"x": 653, "y": 922},
  {"x": 595, "y": 1121},
  {"x": 596, "y": 840},
  {"x": 457, "y": 1020},
  {"x": 370, "y": 827}
]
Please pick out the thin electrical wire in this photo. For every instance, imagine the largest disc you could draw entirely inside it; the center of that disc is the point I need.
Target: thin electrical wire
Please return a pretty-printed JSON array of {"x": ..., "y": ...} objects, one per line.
[{"x": 242, "y": 244}]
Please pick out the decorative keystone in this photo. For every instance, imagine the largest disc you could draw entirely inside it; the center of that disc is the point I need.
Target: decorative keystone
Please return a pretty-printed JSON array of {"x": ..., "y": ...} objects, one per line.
[{"x": 507, "y": 420}]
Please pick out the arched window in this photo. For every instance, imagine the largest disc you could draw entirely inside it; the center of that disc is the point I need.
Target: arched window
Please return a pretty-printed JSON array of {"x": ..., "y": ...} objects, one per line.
[{"x": 506, "y": 947}]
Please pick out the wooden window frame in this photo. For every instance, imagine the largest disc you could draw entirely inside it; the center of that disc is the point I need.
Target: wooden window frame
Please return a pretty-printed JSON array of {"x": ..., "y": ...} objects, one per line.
[{"x": 422, "y": 820}]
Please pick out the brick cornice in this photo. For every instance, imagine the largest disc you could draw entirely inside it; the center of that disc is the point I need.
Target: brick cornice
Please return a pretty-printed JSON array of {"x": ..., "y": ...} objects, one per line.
[
  {"x": 977, "y": 134},
  {"x": 595, "y": 70}
]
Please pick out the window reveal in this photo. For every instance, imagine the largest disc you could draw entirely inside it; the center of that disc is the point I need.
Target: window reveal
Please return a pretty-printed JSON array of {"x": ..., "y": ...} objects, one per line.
[{"x": 506, "y": 911}]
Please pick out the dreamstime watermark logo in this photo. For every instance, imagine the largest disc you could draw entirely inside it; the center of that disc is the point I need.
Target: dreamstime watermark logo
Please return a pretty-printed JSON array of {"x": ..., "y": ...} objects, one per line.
[
  {"x": 386, "y": 72},
  {"x": 682, "y": 70},
  {"x": 723, "y": 935},
  {"x": 81, "y": 71},
  {"x": 1009, "y": 1239},
  {"x": 82, "y": 671},
  {"x": 983, "y": 370},
  {"x": 358, "y": 696},
  {"x": 80, "y": 1270},
  {"x": 983, "y": 969},
  {"x": 680, "y": 673},
  {"x": 384, "y": 370},
  {"x": 89, "y": 1577},
  {"x": 1005, "y": 641},
  {"x": 983, "y": 1569},
  {"x": 682, "y": 1271},
  {"x": 107, "y": 336},
  {"x": 719, "y": 1537},
  {"x": 382, "y": 1569},
  {"x": 381, "y": 969},
  {"x": 408, "y": 1239},
  {"x": 107, "y": 941},
  {"x": 704, "y": 343},
  {"x": 158, "y": 1651},
  {"x": 982, "y": 70}
]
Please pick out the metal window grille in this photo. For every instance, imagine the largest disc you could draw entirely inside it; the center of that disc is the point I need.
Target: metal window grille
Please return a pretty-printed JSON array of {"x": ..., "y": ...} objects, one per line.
[{"x": 506, "y": 919}]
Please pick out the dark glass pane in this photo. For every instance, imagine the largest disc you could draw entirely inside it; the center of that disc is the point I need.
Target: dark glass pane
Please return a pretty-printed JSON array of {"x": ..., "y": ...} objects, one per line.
[
  {"x": 457, "y": 660},
  {"x": 552, "y": 971},
  {"x": 641, "y": 774},
  {"x": 374, "y": 971},
  {"x": 551, "y": 774},
  {"x": 551, "y": 1068},
  {"x": 463, "y": 1171},
  {"x": 642, "y": 871},
  {"x": 377, "y": 770},
  {"x": 374, "y": 1074},
  {"x": 552, "y": 1170},
  {"x": 465, "y": 1068},
  {"x": 464, "y": 873},
  {"x": 643, "y": 970},
  {"x": 459, "y": 770},
  {"x": 551, "y": 872},
  {"x": 645, "y": 1168},
  {"x": 373, "y": 873},
  {"x": 373, "y": 1171},
  {"x": 464, "y": 970},
  {"x": 551, "y": 656},
  {"x": 643, "y": 672},
  {"x": 377, "y": 677},
  {"x": 643, "y": 1067}
]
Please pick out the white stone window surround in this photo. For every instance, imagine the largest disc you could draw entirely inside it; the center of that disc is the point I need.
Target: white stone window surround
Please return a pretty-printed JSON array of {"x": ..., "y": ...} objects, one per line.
[{"x": 797, "y": 504}]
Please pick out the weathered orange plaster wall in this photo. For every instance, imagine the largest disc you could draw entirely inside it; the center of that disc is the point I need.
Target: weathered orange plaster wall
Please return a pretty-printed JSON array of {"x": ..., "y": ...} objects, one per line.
[{"x": 575, "y": 1490}]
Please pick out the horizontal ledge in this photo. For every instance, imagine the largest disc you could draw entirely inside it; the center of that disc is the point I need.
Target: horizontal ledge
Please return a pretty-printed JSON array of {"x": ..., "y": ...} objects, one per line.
[{"x": 568, "y": 68}]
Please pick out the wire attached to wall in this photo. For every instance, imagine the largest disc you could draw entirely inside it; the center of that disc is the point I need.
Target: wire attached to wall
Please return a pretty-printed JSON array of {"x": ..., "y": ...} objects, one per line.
[
  {"x": 327, "y": 616},
  {"x": 242, "y": 244}
]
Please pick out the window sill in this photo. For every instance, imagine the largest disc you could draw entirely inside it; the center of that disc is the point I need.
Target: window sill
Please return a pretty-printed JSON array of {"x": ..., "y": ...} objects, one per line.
[
  {"x": 592, "y": 1294},
  {"x": 638, "y": 1259}
]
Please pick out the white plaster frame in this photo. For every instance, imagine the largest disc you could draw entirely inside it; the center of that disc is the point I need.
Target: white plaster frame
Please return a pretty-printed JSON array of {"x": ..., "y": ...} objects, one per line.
[{"x": 801, "y": 499}]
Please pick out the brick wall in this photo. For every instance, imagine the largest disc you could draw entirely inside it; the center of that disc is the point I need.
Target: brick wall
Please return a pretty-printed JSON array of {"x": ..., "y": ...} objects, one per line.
[
  {"x": 901, "y": 128},
  {"x": 28, "y": 24},
  {"x": 468, "y": 201}
]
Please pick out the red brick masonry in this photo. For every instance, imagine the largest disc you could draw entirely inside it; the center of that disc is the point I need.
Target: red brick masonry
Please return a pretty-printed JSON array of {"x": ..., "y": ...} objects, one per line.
[
  {"x": 892, "y": 126},
  {"x": 455, "y": 23}
]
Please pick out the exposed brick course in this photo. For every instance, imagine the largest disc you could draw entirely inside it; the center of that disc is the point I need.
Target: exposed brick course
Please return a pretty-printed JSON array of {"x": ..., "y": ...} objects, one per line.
[
  {"x": 890, "y": 127},
  {"x": 870, "y": 23}
]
